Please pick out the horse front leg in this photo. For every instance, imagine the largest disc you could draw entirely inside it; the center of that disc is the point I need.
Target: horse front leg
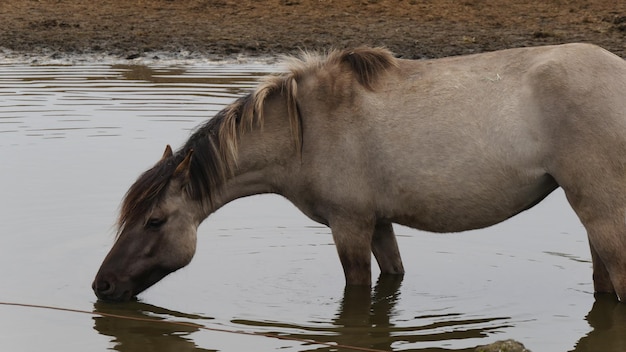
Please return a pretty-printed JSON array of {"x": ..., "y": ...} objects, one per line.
[
  {"x": 385, "y": 249},
  {"x": 353, "y": 239}
]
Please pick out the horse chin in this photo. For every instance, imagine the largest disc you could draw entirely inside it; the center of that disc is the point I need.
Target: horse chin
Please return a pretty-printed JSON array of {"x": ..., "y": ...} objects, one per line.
[{"x": 149, "y": 279}]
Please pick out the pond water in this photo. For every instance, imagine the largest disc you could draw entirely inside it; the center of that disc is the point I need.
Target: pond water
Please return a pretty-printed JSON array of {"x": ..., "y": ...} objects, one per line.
[{"x": 74, "y": 137}]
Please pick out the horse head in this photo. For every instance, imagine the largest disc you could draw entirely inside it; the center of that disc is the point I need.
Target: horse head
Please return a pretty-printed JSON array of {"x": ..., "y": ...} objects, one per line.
[{"x": 157, "y": 230}]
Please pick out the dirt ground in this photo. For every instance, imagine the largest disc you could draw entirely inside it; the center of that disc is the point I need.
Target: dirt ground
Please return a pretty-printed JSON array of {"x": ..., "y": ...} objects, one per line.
[{"x": 228, "y": 28}]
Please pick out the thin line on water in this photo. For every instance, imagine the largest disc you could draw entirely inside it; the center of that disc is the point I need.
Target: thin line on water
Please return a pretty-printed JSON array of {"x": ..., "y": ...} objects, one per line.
[{"x": 193, "y": 325}]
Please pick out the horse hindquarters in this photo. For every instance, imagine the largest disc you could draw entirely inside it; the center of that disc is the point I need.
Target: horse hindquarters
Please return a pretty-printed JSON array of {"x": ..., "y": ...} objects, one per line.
[{"x": 579, "y": 95}]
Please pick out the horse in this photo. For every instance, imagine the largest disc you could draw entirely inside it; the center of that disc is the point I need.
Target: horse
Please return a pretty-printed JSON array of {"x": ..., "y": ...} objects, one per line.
[{"x": 359, "y": 140}]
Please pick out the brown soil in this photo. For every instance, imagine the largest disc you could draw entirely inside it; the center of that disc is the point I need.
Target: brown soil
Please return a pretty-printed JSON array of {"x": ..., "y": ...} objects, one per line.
[{"x": 226, "y": 28}]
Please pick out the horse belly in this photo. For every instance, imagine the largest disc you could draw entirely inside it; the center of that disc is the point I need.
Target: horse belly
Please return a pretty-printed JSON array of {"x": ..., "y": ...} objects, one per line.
[
  {"x": 463, "y": 184},
  {"x": 467, "y": 207},
  {"x": 447, "y": 167}
]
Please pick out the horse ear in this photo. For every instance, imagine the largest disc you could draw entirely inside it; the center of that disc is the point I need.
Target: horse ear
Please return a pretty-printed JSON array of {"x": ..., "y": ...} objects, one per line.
[
  {"x": 167, "y": 153},
  {"x": 183, "y": 168}
]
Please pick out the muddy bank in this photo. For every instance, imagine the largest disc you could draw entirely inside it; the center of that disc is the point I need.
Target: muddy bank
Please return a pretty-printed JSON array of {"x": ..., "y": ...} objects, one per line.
[{"x": 226, "y": 29}]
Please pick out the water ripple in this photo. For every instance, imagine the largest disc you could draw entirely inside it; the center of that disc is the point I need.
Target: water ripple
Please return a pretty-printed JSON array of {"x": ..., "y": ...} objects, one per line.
[{"x": 62, "y": 101}]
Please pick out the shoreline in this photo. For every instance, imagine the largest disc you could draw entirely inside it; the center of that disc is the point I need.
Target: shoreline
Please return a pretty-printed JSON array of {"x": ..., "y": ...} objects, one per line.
[
  {"x": 44, "y": 57},
  {"x": 232, "y": 29}
]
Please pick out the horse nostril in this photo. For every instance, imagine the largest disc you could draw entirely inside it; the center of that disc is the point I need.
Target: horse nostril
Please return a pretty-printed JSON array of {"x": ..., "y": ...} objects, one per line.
[{"x": 103, "y": 287}]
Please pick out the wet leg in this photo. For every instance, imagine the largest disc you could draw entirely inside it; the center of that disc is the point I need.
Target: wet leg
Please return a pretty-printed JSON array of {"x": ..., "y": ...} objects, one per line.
[
  {"x": 599, "y": 200},
  {"x": 353, "y": 240},
  {"x": 385, "y": 249},
  {"x": 604, "y": 221},
  {"x": 607, "y": 239},
  {"x": 601, "y": 278}
]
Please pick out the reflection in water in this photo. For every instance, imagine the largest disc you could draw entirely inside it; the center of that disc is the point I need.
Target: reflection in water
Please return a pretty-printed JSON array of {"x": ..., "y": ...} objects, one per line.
[
  {"x": 138, "y": 336},
  {"x": 608, "y": 320},
  {"x": 65, "y": 102},
  {"x": 150, "y": 74},
  {"x": 224, "y": 84},
  {"x": 365, "y": 320}
]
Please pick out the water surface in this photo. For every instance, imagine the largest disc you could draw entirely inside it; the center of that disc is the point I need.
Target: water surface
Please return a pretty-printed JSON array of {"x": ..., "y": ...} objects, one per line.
[{"x": 73, "y": 138}]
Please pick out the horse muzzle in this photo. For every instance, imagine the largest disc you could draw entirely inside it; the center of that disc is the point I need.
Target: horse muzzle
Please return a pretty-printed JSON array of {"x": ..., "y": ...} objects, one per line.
[{"x": 108, "y": 288}]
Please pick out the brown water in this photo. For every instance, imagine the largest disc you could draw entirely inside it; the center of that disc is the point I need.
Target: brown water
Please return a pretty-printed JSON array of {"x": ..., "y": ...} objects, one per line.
[{"x": 73, "y": 138}]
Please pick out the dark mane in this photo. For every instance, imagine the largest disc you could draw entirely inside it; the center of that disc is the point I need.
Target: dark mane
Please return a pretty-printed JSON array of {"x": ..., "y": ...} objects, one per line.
[
  {"x": 215, "y": 143},
  {"x": 147, "y": 190},
  {"x": 209, "y": 167}
]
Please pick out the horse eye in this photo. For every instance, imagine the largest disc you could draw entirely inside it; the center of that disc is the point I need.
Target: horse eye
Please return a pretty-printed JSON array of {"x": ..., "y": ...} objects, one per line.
[{"x": 155, "y": 223}]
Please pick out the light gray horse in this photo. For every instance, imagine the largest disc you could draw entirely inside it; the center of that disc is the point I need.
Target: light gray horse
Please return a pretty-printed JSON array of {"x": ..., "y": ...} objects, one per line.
[{"x": 359, "y": 140}]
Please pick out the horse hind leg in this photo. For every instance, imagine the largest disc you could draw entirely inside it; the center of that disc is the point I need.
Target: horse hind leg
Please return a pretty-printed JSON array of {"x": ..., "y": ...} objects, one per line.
[
  {"x": 603, "y": 213},
  {"x": 385, "y": 249},
  {"x": 608, "y": 252},
  {"x": 601, "y": 277}
]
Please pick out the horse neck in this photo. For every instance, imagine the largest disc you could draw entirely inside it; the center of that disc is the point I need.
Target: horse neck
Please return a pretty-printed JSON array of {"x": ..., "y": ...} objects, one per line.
[{"x": 266, "y": 157}]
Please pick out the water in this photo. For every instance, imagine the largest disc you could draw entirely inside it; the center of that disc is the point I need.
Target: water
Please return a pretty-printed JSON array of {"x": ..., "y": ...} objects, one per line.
[{"x": 73, "y": 138}]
